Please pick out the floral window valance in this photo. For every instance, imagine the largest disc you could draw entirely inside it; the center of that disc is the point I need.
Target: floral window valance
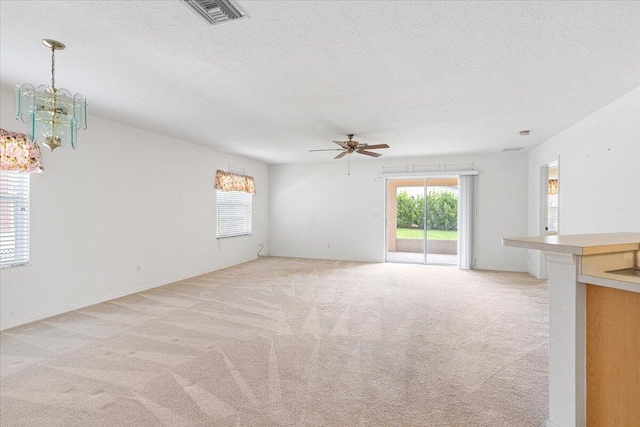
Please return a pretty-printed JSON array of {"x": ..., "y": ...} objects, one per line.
[
  {"x": 18, "y": 154},
  {"x": 227, "y": 181}
]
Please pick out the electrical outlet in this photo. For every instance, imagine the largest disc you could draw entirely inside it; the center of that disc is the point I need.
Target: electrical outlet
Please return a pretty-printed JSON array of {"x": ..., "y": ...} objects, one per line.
[{"x": 138, "y": 269}]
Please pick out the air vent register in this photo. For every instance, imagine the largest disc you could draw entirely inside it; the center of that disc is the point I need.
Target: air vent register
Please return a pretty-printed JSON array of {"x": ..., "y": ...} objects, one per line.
[{"x": 215, "y": 11}]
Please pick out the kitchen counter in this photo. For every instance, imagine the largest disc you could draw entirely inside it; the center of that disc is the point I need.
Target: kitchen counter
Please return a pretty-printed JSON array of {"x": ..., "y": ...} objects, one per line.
[
  {"x": 579, "y": 244},
  {"x": 612, "y": 280},
  {"x": 599, "y": 254}
]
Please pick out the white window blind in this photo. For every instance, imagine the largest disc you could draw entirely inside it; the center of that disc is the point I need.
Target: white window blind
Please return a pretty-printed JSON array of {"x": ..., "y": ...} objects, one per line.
[
  {"x": 14, "y": 218},
  {"x": 234, "y": 213}
]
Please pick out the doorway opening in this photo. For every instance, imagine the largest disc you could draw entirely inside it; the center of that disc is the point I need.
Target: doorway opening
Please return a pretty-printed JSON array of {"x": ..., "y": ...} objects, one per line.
[
  {"x": 422, "y": 220},
  {"x": 551, "y": 197},
  {"x": 549, "y": 209}
]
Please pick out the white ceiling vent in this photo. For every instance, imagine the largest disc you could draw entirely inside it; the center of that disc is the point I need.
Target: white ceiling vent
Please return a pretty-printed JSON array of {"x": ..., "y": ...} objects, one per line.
[
  {"x": 215, "y": 11},
  {"x": 512, "y": 149}
]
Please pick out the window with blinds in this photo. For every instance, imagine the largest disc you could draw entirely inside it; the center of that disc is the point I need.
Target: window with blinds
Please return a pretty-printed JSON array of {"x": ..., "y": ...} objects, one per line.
[
  {"x": 14, "y": 218},
  {"x": 234, "y": 213}
]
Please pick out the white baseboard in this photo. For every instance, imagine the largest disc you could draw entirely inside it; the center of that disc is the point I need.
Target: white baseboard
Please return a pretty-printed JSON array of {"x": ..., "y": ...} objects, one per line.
[
  {"x": 326, "y": 258},
  {"x": 500, "y": 268},
  {"x": 100, "y": 300}
]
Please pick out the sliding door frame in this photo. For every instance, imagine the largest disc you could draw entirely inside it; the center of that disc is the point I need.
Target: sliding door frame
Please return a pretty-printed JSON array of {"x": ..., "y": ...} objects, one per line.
[{"x": 425, "y": 178}]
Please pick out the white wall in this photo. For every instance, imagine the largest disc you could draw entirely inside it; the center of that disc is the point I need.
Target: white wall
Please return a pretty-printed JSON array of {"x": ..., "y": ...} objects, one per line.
[
  {"x": 316, "y": 205},
  {"x": 599, "y": 176},
  {"x": 124, "y": 197}
]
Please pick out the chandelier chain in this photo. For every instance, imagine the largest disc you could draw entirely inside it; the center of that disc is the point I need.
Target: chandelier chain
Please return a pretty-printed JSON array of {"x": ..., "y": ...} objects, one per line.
[
  {"x": 53, "y": 68},
  {"x": 53, "y": 139}
]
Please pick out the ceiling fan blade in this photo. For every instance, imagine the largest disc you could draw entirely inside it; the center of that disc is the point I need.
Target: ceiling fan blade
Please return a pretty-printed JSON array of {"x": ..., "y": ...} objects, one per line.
[
  {"x": 341, "y": 144},
  {"x": 341, "y": 155},
  {"x": 374, "y": 147},
  {"x": 369, "y": 153},
  {"x": 329, "y": 149}
]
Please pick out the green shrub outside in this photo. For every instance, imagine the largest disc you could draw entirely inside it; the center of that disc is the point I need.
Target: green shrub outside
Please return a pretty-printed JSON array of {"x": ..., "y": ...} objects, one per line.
[{"x": 442, "y": 211}]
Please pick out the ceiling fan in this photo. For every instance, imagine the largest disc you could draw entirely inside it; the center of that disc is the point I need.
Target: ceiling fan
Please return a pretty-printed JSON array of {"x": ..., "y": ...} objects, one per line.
[{"x": 351, "y": 146}]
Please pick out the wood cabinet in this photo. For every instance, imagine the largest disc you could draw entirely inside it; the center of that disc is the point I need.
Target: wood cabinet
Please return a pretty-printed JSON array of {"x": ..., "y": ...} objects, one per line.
[{"x": 613, "y": 357}]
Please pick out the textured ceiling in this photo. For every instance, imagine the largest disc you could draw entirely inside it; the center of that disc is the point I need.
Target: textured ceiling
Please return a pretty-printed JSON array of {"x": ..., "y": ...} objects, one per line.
[{"x": 425, "y": 77}]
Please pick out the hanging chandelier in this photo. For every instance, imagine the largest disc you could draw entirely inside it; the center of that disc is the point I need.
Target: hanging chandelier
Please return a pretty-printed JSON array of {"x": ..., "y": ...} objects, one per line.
[{"x": 53, "y": 116}]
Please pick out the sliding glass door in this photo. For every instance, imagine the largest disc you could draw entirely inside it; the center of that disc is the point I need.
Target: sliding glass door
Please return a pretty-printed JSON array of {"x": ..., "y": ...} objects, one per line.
[{"x": 422, "y": 220}]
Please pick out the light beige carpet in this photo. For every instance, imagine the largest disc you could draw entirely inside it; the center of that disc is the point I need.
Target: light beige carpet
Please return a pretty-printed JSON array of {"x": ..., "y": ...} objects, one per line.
[{"x": 291, "y": 342}]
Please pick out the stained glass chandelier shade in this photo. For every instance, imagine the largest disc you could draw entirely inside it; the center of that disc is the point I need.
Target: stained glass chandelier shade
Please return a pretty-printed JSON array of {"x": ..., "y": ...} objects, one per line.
[{"x": 53, "y": 115}]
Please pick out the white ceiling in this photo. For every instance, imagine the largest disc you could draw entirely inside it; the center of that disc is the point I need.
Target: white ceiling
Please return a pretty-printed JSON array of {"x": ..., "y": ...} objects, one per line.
[{"x": 427, "y": 78}]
